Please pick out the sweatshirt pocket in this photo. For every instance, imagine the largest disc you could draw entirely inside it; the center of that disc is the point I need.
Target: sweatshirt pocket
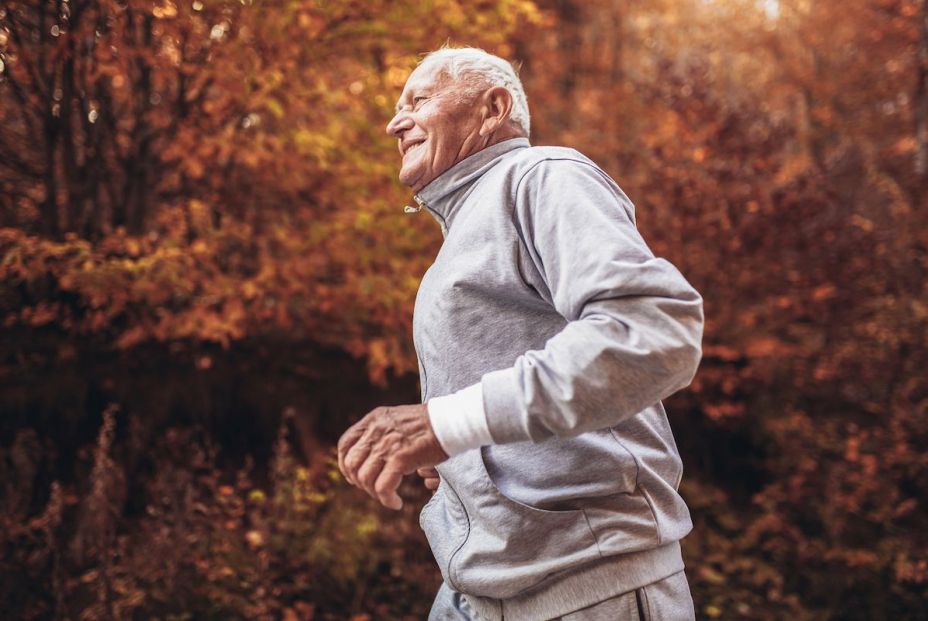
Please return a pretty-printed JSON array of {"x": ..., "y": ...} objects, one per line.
[
  {"x": 511, "y": 546},
  {"x": 563, "y": 473},
  {"x": 445, "y": 525}
]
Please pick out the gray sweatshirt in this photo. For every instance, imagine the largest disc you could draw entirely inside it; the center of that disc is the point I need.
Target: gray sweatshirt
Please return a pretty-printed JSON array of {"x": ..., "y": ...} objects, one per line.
[{"x": 545, "y": 293}]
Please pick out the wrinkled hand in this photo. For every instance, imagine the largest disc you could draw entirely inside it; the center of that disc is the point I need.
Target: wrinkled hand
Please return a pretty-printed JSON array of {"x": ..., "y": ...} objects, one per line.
[
  {"x": 430, "y": 478},
  {"x": 388, "y": 443}
]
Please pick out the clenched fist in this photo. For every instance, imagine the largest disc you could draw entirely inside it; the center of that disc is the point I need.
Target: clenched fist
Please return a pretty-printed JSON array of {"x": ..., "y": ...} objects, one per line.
[{"x": 388, "y": 443}]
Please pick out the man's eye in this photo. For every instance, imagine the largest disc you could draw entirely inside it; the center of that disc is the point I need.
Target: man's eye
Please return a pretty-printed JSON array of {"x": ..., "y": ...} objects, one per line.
[{"x": 418, "y": 99}]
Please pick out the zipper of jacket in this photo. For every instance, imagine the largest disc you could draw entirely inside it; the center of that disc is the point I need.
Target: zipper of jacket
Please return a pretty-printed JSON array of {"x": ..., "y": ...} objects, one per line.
[
  {"x": 425, "y": 376},
  {"x": 450, "y": 567},
  {"x": 444, "y": 231},
  {"x": 438, "y": 217}
]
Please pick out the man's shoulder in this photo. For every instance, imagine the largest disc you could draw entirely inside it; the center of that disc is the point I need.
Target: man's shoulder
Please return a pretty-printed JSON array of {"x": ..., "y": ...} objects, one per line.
[
  {"x": 562, "y": 171},
  {"x": 530, "y": 157}
]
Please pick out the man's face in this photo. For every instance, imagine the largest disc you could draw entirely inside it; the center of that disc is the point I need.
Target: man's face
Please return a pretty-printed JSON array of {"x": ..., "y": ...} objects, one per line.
[{"x": 434, "y": 128}]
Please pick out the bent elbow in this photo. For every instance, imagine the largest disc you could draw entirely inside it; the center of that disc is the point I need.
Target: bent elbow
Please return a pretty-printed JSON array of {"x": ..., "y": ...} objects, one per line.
[
  {"x": 690, "y": 357},
  {"x": 686, "y": 357},
  {"x": 690, "y": 350}
]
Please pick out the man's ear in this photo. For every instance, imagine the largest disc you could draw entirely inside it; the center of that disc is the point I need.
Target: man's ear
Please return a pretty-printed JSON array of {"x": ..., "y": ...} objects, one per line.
[{"x": 497, "y": 106}]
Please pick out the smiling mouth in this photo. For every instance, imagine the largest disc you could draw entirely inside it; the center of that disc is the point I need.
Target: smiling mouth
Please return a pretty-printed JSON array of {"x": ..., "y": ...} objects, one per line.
[{"x": 413, "y": 148}]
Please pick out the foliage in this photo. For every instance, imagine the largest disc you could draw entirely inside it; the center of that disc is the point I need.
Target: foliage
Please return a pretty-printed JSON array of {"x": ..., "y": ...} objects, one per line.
[
  {"x": 209, "y": 170},
  {"x": 298, "y": 547},
  {"x": 205, "y": 175}
]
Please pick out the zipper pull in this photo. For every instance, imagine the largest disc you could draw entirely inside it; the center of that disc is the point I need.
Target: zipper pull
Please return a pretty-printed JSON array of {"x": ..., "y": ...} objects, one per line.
[{"x": 419, "y": 202}]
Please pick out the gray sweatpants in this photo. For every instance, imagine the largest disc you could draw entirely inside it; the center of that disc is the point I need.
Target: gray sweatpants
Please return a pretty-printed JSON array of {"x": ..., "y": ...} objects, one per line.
[{"x": 665, "y": 600}]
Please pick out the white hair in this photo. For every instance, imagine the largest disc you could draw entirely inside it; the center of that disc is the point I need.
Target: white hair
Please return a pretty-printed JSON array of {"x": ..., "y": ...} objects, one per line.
[{"x": 479, "y": 69}]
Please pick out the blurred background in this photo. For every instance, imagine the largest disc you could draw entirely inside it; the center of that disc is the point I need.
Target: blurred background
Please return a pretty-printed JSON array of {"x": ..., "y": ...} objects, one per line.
[{"x": 206, "y": 275}]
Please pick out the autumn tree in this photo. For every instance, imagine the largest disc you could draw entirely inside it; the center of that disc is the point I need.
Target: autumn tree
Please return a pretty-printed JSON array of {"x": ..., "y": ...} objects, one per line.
[
  {"x": 772, "y": 150},
  {"x": 214, "y": 174},
  {"x": 211, "y": 170}
]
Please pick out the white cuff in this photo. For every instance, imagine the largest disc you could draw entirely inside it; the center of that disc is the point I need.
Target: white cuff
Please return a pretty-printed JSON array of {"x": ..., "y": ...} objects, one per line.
[{"x": 459, "y": 421}]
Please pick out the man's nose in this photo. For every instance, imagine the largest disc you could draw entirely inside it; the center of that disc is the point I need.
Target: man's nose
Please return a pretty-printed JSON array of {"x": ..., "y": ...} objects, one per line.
[{"x": 398, "y": 124}]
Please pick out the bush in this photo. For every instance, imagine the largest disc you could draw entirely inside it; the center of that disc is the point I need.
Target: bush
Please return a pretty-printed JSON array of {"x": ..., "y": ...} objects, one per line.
[{"x": 208, "y": 546}]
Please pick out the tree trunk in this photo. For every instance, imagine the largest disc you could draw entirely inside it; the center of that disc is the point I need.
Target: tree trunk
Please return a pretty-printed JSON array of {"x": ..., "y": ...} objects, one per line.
[
  {"x": 568, "y": 43},
  {"x": 921, "y": 101}
]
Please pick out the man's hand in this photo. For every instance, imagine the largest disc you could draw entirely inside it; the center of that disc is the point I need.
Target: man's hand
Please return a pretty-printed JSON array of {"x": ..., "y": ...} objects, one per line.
[
  {"x": 388, "y": 443},
  {"x": 430, "y": 478}
]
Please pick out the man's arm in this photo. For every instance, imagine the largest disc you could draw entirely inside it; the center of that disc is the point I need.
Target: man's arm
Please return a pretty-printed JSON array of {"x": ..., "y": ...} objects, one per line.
[
  {"x": 633, "y": 338},
  {"x": 635, "y": 324}
]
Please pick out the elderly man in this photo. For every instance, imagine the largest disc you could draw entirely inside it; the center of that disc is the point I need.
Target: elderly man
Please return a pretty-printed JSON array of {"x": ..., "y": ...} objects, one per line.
[{"x": 547, "y": 334}]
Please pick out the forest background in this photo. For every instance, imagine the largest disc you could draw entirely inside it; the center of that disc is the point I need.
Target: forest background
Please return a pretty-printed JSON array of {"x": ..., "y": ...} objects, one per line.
[{"x": 206, "y": 274}]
